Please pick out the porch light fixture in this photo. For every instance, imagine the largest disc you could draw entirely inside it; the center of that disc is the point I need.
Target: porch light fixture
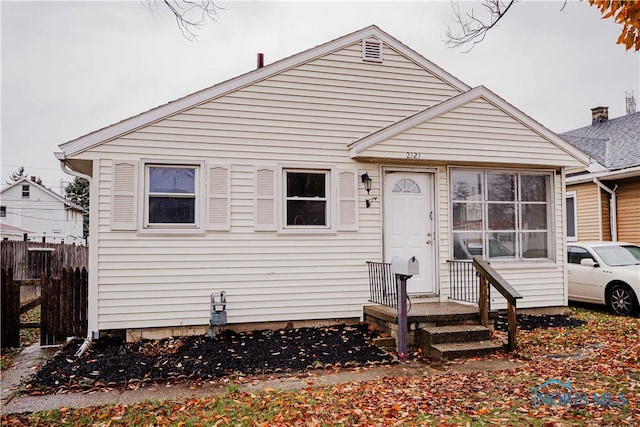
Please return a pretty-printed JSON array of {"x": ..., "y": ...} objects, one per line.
[{"x": 366, "y": 181}]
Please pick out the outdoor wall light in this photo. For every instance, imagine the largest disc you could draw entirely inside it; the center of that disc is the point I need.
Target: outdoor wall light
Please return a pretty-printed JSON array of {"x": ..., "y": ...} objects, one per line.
[{"x": 366, "y": 181}]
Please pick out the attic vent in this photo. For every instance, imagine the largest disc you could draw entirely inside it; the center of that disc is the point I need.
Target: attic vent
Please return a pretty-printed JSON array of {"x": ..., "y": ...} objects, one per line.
[{"x": 372, "y": 50}]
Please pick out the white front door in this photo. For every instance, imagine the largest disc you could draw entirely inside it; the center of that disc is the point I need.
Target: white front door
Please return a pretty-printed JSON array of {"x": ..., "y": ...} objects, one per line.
[{"x": 408, "y": 225}]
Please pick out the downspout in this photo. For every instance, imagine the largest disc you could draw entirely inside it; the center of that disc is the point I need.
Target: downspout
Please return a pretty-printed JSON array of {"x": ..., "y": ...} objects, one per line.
[
  {"x": 613, "y": 209},
  {"x": 88, "y": 340}
]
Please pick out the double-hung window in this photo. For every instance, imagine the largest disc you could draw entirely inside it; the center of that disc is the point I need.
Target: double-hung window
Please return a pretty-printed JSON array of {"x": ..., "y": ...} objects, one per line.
[
  {"x": 306, "y": 203},
  {"x": 171, "y": 196},
  {"x": 500, "y": 214}
]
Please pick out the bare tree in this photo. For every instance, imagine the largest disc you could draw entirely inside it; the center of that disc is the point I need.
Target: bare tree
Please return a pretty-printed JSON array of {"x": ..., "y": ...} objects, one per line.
[
  {"x": 471, "y": 27},
  {"x": 190, "y": 15}
]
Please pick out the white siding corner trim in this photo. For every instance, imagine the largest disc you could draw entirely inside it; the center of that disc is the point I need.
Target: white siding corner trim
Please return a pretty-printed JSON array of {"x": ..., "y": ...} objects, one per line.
[
  {"x": 265, "y": 200},
  {"x": 347, "y": 200},
  {"x": 124, "y": 198},
  {"x": 219, "y": 203}
]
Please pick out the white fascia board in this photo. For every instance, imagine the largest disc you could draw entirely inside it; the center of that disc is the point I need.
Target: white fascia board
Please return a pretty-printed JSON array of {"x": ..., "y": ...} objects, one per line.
[
  {"x": 619, "y": 174},
  {"x": 144, "y": 119},
  {"x": 357, "y": 147}
]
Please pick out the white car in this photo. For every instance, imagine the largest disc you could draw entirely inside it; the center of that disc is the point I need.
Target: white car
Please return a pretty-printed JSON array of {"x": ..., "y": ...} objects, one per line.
[{"x": 605, "y": 273}]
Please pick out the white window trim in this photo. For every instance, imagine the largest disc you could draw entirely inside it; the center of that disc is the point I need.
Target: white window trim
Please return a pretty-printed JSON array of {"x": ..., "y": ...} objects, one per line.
[
  {"x": 199, "y": 226},
  {"x": 551, "y": 258},
  {"x": 331, "y": 191},
  {"x": 574, "y": 196}
]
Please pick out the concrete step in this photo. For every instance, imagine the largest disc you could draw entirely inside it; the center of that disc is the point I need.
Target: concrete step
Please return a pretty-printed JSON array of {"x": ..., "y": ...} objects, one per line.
[
  {"x": 431, "y": 335},
  {"x": 447, "y": 351}
]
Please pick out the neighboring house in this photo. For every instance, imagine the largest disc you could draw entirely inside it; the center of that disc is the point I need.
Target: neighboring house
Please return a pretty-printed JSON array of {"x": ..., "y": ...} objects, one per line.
[
  {"x": 256, "y": 187},
  {"x": 28, "y": 208},
  {"x": 605, "y": 204},
  {"x": 9, "y": 232}
]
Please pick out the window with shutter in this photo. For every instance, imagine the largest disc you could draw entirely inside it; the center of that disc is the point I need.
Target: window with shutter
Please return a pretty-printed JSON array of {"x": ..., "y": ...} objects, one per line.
[{"x": 174, "y": 198}]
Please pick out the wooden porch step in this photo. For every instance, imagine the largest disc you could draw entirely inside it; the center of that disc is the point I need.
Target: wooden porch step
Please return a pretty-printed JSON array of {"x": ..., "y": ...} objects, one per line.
[{"x": 446, "y": 351}]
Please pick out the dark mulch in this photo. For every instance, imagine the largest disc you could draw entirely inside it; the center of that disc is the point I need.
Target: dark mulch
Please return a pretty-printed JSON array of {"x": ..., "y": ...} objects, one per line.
[
  {"x": 112, "y": 363},
  {"x": 529, "y": 322}
]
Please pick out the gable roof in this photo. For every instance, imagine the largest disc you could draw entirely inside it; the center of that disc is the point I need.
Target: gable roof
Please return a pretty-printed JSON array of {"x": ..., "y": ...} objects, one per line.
[
  {"x": 52, "y": 193},
  {"x": 128, "y": 125},
  {"x": 427, "y": 114},
  {"x": 615, "y": 143},
  {"x": 13, "y": 230}
]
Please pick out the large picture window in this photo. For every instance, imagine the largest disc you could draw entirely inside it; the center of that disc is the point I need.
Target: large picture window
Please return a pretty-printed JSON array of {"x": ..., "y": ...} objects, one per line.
[
  {"x": 171, "y": 195},
  {"x": 500, "y": 215},
  {"x": 306, "y": 198}
]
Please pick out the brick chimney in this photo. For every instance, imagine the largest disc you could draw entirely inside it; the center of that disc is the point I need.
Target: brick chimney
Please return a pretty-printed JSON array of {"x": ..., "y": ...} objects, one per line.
[{"x": 599, "y": 115}]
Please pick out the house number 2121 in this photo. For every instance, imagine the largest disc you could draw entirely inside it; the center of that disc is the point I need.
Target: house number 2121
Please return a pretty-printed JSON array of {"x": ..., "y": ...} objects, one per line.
[{"x": 413, "y": 155}]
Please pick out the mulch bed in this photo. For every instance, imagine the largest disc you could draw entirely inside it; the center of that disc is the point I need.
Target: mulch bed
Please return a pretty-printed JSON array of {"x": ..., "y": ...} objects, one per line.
[
  {"x": 528, "y": 322},
  {"x": 112, "y": 363}
]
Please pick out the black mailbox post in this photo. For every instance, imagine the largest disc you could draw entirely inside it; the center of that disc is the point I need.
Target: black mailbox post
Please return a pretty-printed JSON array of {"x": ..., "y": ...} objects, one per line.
[{"x": 403, "y": 268}]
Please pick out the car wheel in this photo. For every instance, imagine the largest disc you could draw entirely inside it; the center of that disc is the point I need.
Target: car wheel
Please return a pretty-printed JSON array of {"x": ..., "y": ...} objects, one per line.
[{"x": 622, "y": 300}]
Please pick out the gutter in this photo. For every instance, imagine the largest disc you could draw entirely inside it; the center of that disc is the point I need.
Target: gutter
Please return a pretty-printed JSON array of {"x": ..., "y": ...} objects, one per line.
[{"x": 89, "y": 339}]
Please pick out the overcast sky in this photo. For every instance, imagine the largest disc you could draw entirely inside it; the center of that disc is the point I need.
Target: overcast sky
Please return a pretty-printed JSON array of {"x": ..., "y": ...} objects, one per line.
[{"x": 70, "y": 68}]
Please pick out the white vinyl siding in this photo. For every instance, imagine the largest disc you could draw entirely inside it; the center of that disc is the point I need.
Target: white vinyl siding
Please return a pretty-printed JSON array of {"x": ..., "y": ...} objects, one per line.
[
  {"x": 306, "y": 115},
  {"x": 475, "y": 132}
]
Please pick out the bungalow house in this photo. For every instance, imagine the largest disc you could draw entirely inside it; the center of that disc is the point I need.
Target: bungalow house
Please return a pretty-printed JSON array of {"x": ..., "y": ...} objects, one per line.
[
  {"x": 30, "y": 211},
  {"x": 604, "y": 204},
  {"x": 278, "y": 186}
]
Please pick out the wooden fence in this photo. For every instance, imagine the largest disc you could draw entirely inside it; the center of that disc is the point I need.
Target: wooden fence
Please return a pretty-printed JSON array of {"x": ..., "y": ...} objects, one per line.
[
  {"x": 56, "y": 272},
  {"x": 29, "y": 260},
  {"x": 63, "y": 307}
]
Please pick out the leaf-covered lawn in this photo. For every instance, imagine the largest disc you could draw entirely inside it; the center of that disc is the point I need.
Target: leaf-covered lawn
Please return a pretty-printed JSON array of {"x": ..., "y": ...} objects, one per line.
[{"x": 599, "y": 358}]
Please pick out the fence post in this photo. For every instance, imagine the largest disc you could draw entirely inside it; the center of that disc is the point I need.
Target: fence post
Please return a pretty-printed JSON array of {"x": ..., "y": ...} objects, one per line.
[
  {"x": 10, "y": 310},
  {"x": 46, "y": 331}
]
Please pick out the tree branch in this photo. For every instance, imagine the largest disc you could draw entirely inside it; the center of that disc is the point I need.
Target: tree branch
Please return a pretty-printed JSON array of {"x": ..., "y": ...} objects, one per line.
[
  {"x": 471, "y": 28},
  {"x": 190, "y": 15}
]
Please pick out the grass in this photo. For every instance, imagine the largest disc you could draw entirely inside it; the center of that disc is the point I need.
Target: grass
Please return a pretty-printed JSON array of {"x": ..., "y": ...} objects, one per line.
[
  {"x": 602, "y": 356},
  {"x": 28, "y": 336}
]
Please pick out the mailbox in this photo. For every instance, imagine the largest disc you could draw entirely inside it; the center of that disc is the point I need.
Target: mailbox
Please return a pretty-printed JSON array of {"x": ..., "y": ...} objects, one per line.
[{"x": 405, "y": 266}]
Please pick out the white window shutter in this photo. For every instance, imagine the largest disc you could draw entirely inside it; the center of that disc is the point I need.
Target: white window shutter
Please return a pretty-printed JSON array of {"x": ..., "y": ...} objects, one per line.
[
  {"x": 265, "y": 200},
  {"x": 347, "y": 201},
  {"x": 219, "y": 201},
  {"x": 124, "y": 200}
]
